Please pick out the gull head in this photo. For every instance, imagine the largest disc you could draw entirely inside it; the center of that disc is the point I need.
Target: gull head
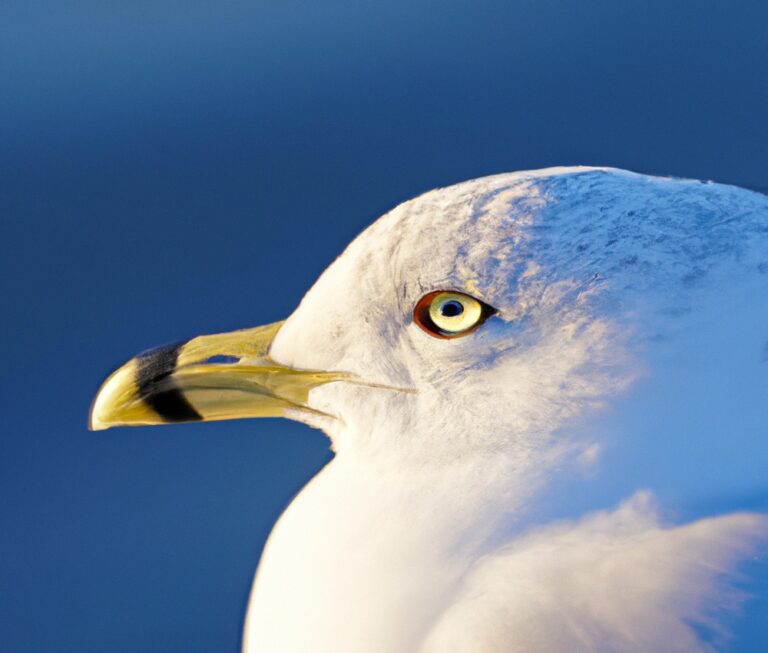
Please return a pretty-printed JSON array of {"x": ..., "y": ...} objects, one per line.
[{"x": 484, "y": 317}]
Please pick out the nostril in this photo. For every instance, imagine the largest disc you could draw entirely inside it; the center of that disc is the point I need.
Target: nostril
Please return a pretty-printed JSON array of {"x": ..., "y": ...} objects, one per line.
[{"x": 221, "y": 359}]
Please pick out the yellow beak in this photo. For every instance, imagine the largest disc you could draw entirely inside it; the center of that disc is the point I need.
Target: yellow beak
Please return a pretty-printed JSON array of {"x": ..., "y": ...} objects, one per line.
[{"x": 222, "y": 376}]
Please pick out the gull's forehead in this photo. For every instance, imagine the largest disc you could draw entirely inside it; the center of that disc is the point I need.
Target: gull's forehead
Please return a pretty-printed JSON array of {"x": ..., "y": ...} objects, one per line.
[
  {"x": 468, "y": 237},
  {"x": 480, "y": 236},
  {"x": 448, "y": 237}
]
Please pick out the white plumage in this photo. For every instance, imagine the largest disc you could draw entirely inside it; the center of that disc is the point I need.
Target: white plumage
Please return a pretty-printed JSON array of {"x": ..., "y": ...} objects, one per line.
[{"x": 426, "y": 533}]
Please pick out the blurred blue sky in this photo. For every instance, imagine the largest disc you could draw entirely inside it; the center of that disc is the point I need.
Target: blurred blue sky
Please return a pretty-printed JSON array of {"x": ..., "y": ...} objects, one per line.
[{"x": 175, "y": 168}]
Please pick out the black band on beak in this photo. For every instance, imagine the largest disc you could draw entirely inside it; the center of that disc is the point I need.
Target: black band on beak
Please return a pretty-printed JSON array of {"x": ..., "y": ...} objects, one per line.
[{"x": 154, "y": 369}]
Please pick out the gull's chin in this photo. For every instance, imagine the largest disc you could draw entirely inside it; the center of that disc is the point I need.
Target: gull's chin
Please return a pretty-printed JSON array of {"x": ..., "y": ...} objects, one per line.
[{"x": 322, "y": 410}]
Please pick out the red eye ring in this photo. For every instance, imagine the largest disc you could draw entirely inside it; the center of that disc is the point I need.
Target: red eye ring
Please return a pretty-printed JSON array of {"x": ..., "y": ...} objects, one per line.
[{"x": 424, "y": 313}]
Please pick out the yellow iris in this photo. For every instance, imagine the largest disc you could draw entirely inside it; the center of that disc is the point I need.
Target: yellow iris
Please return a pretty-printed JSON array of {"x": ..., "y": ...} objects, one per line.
[{"x": 454, "y": 313}]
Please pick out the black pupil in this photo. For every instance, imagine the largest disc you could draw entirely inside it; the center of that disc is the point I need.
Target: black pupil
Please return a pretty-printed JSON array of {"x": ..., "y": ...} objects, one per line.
[{"x": 451, "y": 309}]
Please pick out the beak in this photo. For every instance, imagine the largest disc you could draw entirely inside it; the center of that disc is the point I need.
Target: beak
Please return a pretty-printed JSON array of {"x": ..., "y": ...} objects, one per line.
[{"x": 222, "y": 376}]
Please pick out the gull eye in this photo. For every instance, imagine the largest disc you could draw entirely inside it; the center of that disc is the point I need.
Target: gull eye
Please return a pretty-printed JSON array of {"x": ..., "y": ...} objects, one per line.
[{"x": 450, "y": 314}]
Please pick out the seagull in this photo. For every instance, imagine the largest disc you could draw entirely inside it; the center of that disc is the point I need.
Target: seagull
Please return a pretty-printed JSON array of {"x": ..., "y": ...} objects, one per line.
[{"x": 471, "y": 350}]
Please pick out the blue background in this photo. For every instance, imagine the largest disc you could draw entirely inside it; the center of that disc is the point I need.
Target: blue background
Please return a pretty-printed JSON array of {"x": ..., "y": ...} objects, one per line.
[{"x": 169, "y": 169}]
